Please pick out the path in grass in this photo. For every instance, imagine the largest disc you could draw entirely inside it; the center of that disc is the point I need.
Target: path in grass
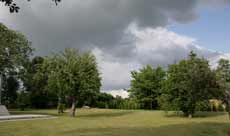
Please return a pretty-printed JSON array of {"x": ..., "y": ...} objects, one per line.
[{"x": 95, "y": 122}]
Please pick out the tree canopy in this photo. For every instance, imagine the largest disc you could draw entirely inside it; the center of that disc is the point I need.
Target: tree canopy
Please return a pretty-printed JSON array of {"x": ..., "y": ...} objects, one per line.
[
  {"x": 223, "y": 75},
  {"x": 188, "y": 83},
  {"x": 15, "y": 51},
  {"x": 71, "y": 74},
  {"x": 146, "y": 85}
]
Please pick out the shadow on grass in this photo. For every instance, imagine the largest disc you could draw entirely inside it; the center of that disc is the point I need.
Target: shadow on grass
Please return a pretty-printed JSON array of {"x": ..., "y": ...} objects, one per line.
[
  {"x": 105, "y": 114},
  {"x": 18, "y": 112},
  {"x": 196, "y": 115},
  {"x": 88, "y": 114},
  {"x": 190, "y": 129}
]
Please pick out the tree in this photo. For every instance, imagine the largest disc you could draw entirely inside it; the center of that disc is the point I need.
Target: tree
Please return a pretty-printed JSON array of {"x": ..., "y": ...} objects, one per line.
[
  {"x": 223, "y": 75},
  {"x": 103, "y": 100},
  {"x": 188, "y": 83},
  {"x": 35, "y": 83},
  {"x": 146, "y": 85},
  {"x": 13, "y": 7},
  {"x": 72, "y": 74},
  {"x": 15, "y": 51}
]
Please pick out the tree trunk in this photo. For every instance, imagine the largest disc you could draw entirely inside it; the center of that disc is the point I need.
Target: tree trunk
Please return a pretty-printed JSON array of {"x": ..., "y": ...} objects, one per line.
[
  {"x": 190, "y": 115},
  {"x": 229, "y": 115},
  {"x": 73, "y": 108}
]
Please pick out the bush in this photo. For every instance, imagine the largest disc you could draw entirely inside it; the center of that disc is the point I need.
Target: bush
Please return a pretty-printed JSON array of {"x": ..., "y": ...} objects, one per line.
[
  {"x": 203, "y": 106},
  {"x": 23, "y": 100},
  {"x": 101, "y": 105},
  {"x": 61, "y": 108},
  {"x": 221, "y": 108}
]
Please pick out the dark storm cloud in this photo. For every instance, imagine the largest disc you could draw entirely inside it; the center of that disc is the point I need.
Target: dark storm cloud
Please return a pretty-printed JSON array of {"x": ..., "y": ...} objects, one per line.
[{"x": 83, "y": 24}]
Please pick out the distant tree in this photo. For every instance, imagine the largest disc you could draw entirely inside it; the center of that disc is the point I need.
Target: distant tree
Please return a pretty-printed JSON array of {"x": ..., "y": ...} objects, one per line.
[
  {"x": 71, "y": 74},
  {"x": 103, "y": 100},
  {"x": 223, "y": 74},
  {"x": 35, "y": 83},
  {"x": 146, "y": 85},
  {"x": 188, "y": 83},
  {"x": 13, "y": 7}
]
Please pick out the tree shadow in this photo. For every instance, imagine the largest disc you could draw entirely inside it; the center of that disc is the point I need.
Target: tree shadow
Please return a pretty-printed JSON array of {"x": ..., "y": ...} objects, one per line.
[
  {"x": 105, "y": 114},
  {"x": 196, "y": 115},
  {"x": 190, "y": 129},
  {"x": 209, "y": 114}
]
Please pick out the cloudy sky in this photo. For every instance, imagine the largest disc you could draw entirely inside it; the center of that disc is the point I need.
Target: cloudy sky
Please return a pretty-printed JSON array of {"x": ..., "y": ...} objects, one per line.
[{"x": 126, "y": 34}]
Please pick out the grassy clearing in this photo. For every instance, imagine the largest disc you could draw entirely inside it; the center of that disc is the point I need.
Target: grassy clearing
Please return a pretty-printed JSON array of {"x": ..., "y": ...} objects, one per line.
[{"x": 98, "y": 122}]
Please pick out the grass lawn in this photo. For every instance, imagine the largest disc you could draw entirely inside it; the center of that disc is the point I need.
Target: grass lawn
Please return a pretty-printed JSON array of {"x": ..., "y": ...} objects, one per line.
[{"x": 98, "y": 122}]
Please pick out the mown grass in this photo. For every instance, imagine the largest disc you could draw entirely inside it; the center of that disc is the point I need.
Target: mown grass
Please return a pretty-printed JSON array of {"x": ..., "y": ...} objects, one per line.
[{"x": 98, "y": 122}]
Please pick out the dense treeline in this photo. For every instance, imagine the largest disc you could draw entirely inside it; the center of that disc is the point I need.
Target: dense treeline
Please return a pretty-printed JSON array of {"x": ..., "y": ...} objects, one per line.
[
  {"x": 188, "y": 86},
  {"x": 71, "y": 79}
]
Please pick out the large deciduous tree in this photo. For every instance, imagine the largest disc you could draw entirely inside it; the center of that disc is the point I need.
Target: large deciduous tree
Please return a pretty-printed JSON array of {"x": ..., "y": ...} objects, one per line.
[
  {"x": 146, "y": 85},
  {"x": 72, "y": 74},
  {"x": 15, "y": 51},
  {"x": 189, "y": 82}
]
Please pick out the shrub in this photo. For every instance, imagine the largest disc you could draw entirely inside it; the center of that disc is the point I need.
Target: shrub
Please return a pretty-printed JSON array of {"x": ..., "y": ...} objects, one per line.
[
  {"x": 23, "y": 100},
  {"x": 61, "y": 108}
]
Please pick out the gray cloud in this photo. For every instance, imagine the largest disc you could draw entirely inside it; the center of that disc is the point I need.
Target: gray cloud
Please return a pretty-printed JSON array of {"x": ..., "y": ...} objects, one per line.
[
  {"x": 104, "y": 27},
  {"x": 156, "y": 47},
  {"x": 83, "y": 24}
]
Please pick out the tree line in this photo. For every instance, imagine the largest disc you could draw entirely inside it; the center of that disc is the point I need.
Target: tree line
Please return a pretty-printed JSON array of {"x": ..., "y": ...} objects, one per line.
[
  {"x": 187, "y": 86},
  {"x": 71, "y": 79}
]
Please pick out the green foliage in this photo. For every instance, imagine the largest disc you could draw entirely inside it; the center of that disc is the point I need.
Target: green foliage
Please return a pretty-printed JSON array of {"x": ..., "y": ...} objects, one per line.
[
  {"x": 23, "y": 100},
  {"x": 146, "y": 86},
  {"x": 190, "y": 82},
  {"x": 223, "y": 75},
  {"x": 35, "y": 83},
  {"x": 61, "y": 108},
  {"x": 15, "y": 51},
  {"x": 203, "y": 106},
  {"x": 9, "y": 93},
  {"x": 71, "y": 75}
]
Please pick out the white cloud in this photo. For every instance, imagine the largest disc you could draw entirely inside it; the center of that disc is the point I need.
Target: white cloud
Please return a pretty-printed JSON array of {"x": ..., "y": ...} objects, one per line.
[
  {"x": 115, "y": 74},
  {"x": 123, "y": 93},
  {"x": 157, "y": 47},
  {"x": 215, "y": 59}
]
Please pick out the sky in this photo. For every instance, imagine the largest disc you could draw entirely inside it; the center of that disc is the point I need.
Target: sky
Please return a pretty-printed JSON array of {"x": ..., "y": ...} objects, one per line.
[
  {"x": 211, "y": 29},
  {"x": 126, "y": 35}
]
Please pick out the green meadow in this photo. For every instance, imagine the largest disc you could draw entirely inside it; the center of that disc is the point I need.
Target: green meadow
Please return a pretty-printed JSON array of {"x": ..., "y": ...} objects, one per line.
[{"x": 100, "y": 122}]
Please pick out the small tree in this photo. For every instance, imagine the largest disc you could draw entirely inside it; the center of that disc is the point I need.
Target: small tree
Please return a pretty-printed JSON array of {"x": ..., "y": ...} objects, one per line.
[{"x": 72, "y": 74}]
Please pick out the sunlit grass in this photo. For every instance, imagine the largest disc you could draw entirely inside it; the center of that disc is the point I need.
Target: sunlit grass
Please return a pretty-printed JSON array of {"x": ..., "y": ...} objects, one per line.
[{"x": 98, "y": 122}]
